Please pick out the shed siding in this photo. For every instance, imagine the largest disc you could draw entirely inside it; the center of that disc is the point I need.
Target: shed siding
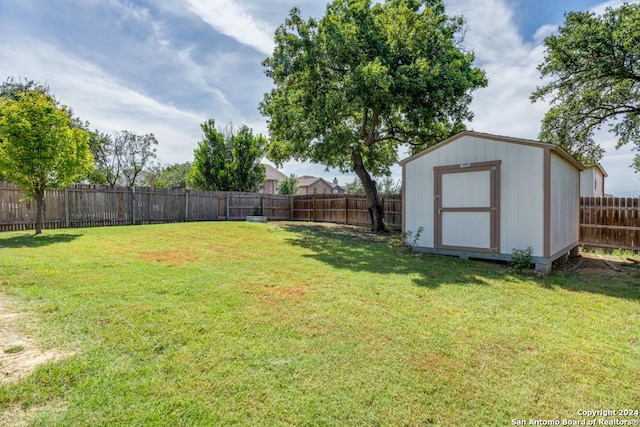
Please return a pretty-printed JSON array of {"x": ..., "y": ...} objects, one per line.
[
  {"x": 522, "y": 219},
  {"x": 599, "y": 187},
  {"x": 587, "y": 178},
  {"x": 521, "y": 188},
  {"x": 591, "y": 182},
  {"x": 418, "y": 199},
  {"x": 565, "y": 204}
]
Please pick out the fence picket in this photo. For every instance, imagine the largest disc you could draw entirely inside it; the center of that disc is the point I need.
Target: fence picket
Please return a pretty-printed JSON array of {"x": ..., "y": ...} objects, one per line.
[
  {"x": 610, "y": 222},
  {"x": 604, "y": 222}
]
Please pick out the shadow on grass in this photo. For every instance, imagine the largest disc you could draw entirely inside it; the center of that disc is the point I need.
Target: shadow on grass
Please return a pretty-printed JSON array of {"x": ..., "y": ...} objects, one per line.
[
  {"x": 625, "y": 284},
  {"x": 359, "y": 251},
  {"x": 33, "y": 241}
]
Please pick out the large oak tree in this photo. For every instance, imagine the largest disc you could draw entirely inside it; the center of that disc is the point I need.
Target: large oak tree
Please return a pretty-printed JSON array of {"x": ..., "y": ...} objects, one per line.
[
  {"x": 594, "y": 63},
  {"x": 354, "y": 86}
]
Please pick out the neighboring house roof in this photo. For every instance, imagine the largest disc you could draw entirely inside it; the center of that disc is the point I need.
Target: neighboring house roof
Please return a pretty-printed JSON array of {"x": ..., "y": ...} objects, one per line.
[
  {"x": 597, "y": 166},
  {"x": 553, "y": 147},
  {"x": 273, "y": 173},
  {"x": 306, "y": 181}
]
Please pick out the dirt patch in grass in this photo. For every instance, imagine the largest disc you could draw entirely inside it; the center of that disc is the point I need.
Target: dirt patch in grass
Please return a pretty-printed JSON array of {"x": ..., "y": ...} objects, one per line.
[
  {"x": 276, "y": 294},
  {"x": 19, "y": 354},
  {"x": 17, "y": 416},
  {"x": 177, "y": 257},
  {"x": 589, "y": 264}
]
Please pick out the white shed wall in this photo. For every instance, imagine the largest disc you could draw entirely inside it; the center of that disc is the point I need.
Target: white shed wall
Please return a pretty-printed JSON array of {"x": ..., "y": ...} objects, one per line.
[
  {"x": 521, "y": 189},
  {"x": 591, "y": 182},
  {"x": 565, "y": 204},
  {"x": 587, "y": 178}
]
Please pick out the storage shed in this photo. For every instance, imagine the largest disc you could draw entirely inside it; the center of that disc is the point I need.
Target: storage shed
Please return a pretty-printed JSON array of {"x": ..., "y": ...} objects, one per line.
[
  {"x": 592, "y": 181},
  {"x": 477, "y": 195}
]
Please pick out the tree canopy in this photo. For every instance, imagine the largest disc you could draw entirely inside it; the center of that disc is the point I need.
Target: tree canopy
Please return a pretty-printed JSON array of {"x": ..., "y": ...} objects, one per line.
[
  {"x": 136, "y": 154},
  {"x": 122, "y": 157},
  {"x": 39, "y": 148},
  {"x": 228, "y": 159},
  {"x": 594, "y": 62},
  {"x": 169, "y": 176},
  {"x": 352, "y": 87},
  {"x": 288, "y": 186},
  {"x": 12, "y": 88}
]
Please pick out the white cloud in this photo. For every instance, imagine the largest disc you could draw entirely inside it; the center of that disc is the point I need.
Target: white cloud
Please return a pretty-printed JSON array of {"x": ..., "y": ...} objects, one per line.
[
  {"x": 543, "y": 32},
  {"x": 105, "y": 102},
  {"x": 503, "y": 107},
  {"x": 230, "y": 18},
  {"x": 601, "y": 8}
]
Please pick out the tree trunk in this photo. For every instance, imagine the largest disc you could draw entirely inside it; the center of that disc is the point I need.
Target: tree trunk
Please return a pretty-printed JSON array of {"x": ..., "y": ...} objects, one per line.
[
  {"x": 39, "y": 211},
  {"x": 373, "y": 203}
]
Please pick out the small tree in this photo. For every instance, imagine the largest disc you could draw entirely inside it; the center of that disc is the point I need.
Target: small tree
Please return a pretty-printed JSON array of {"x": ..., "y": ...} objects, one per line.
[
  {"x": 288, "y": 186},
  {"x": 171, "y": 176},
  {"x": 105, "y": 170},
  {"x": 39, "y": 149},
  {"x": 354, "y": 187},
  {"x": 385, "y": 185},
  {"x": 122, "y": 157},
  {"x": 136, "y": 154},
  {"x": 228, "y": 159},
  {"x": 388, "y": 185}
]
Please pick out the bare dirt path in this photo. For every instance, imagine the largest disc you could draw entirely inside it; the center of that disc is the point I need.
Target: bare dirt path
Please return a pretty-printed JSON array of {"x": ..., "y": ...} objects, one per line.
[{"x": 19, "y": 354}]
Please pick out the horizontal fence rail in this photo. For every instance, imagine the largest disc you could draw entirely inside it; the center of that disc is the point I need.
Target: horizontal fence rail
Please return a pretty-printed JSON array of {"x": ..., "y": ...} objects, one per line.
[
  {"x": 96, "y": 205},
  {"x": 348, "y": 209},
  {"x": 609, "y": 222},
  {"x": 604, "y": 222}
]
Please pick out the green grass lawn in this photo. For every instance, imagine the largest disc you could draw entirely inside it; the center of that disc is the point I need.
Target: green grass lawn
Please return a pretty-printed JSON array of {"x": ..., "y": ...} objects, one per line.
[{"x": 250, "y": 324}]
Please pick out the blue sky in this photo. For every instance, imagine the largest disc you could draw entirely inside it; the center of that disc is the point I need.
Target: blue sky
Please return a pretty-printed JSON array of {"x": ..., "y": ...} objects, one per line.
[{"x": 166, "y": 66}]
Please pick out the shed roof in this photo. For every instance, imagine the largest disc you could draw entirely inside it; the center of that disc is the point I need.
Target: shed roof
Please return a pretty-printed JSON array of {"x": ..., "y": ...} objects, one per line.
[
  {"x": 545, "y": 145},
  {"x": 597, "y": 166}
]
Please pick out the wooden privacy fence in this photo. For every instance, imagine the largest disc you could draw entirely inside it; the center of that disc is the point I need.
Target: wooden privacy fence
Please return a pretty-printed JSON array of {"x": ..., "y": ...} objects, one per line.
[
  {"x": 610, "y": 222},
  {"x": 346, "y": 209},
  {"x": 94, "y": 206},
  {"x": 604, "y": 222}
]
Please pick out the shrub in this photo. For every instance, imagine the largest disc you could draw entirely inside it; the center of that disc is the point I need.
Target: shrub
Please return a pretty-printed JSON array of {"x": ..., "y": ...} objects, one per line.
[{"x": 521, "y": 259}]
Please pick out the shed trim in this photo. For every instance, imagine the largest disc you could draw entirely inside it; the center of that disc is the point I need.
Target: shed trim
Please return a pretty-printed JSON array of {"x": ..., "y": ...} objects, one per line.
[
  {"x": 546, "y": 248},
  {"x": 597, "y": 166},
  {"x": 404, "y": 199}
]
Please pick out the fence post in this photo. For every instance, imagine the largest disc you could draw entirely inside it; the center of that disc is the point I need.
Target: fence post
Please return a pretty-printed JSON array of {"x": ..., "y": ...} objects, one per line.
[
  {"x": 346, "y": 210},
  {"x": 226, "y": 206},
  {"x": 186, "y": 205},
  {"x": 262, "y": 205},
  {"x": 133, "y": 205},
  {"x": 67, "y": 221}
]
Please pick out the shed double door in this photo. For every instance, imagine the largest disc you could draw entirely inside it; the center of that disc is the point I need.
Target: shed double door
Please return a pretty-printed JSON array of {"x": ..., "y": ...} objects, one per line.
[{"x": 467, "y": 207}]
